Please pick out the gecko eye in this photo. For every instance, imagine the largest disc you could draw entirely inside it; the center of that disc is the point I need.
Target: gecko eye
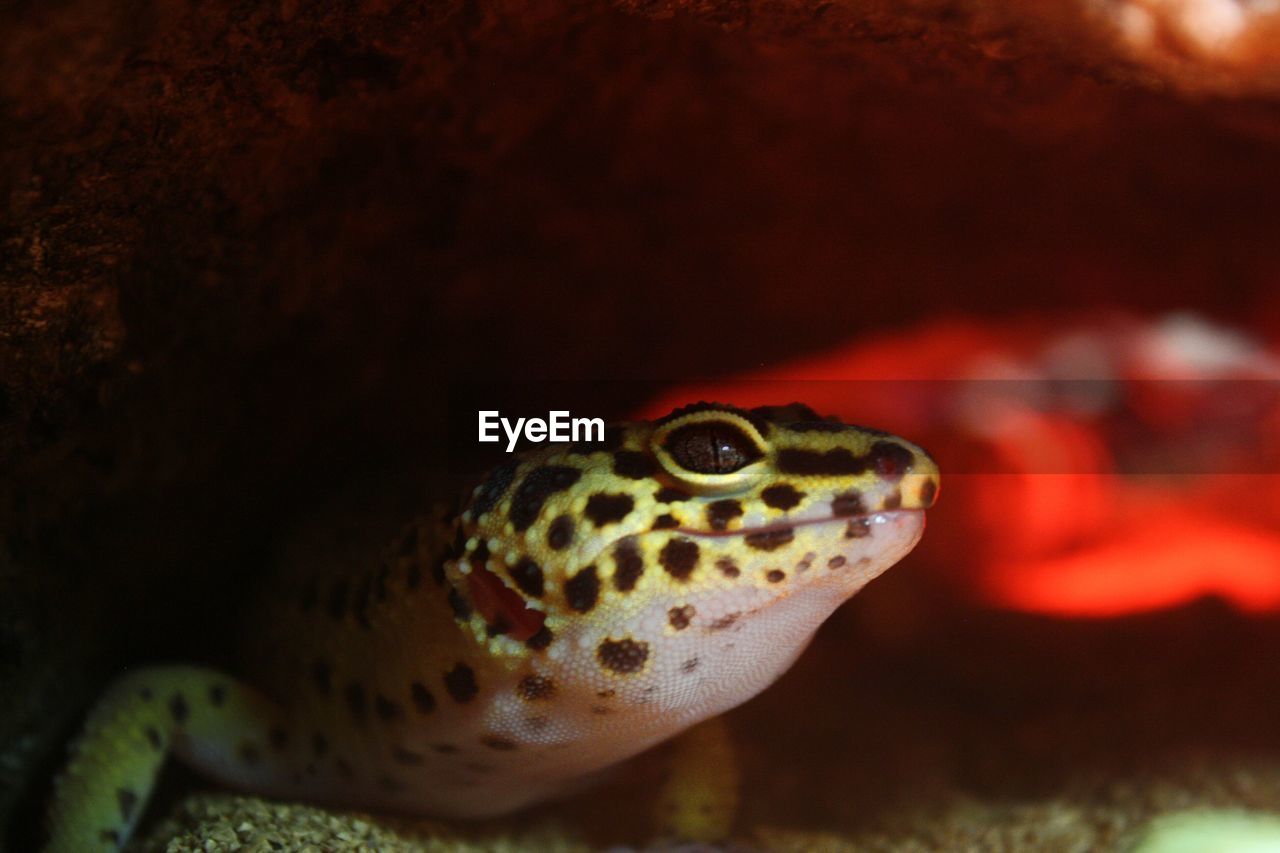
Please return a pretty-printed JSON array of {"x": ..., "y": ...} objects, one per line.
[{"x": 711, "y": 447}]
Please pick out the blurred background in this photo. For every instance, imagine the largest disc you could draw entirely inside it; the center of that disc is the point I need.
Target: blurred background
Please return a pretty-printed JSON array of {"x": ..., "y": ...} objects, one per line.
[{"x": 252, "y": 252}]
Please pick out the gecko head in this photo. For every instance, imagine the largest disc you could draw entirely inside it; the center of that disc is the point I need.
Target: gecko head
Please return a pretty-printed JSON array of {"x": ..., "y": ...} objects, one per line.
[{"x": 683, "y": 564}]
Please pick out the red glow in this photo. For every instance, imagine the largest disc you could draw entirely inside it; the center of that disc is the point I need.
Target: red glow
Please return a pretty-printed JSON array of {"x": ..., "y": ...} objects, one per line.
[
  {"x": 1163, "y": 562},
  {"x": 1039, "y": 519}
]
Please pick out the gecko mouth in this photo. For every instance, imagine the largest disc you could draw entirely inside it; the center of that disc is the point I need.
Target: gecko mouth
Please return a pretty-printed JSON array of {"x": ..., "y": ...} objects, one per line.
[
  {"x": 506, "y": 612},
  {"x": 860, "y": 524}
]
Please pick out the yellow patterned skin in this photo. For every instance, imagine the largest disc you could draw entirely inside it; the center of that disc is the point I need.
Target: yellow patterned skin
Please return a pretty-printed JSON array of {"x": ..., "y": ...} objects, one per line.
[{"x": 588, "y": 602}]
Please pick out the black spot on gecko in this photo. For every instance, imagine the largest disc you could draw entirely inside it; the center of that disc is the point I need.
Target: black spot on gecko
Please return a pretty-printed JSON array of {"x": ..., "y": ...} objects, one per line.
[
  {"x": 633, "y": 464},
  {"x": 460, "y": 682},
  {"x": 499, "y": 743},
  {"x": 928, "y": 491},
  {"x": 893, "y": 500},
  {"x": 628, "y": 565},
  {"x": 423, "y": 701},
  {"x": 836, "y": 562},
  {"x": 721, "y": 512},
  {"x": 217, "y": 695},
  {"x": 775, "y": 576},
  {"x": 782, "y": 496},
  {"x": 723, "y": 622},
  {"x": 480, "y": 555},
  {"x": 666, "y": 521},
  {"x": 605, "y": 509},
  {"x": 679, "y": 557},
  {"x": 689, "y": 666},
  {"x": 769, "y": 540},
  {"x": 406, "y": 756},
  {"x": 178, "y": 708},
  {"x": 533, "y": 688},
  {"x": 857, "y": 528},
  {"x": 623, "y": 656},
  {"x": 560, "y": 533},
  {"x": 890, "y": 460},
  {"x": 671, "y": 495},
  {"x": 528, "y": 577},
  {"x": 322, "y": 676},
  {"x": 128, "y": 801},
  {"x": 788, "y": 414},
  {"x": 680, "y": 617},
  {"x": 839, "y": 461},
  {"x": 582, "y": 590},
  {"x": 500, "y": 625},
  {"x": 540, "y": 640},
  {"x": 386, "y": 709},
  {"x": 355, "y": 700},
  {"x": 848, "y": 503},
  {"x": 538, "y": 485},
  {"x": 494, "y": 487},
  {"x": 728, "y": 567},
  {"x": 613, "y": 438}
]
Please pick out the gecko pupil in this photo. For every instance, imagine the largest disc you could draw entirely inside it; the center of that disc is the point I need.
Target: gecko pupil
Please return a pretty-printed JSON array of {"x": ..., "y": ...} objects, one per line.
[{"x": 712, "y": 448}]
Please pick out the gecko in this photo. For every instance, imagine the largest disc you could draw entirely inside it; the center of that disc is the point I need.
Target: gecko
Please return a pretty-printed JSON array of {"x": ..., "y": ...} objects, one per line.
[{"x": 586, "y": 602}]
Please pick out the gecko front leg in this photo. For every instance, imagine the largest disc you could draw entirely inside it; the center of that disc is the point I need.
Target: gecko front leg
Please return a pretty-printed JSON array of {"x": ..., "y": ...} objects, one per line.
[{"x": 219, "y": 726}]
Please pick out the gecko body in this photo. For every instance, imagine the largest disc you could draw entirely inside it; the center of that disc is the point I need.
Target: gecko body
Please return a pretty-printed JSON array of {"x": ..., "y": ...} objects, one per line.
[{"x": 587, "y": 602}]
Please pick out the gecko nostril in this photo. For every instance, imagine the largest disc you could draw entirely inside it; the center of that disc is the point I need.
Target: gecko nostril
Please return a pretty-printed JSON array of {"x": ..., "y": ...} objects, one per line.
[{"x": 890, "y": 460}]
